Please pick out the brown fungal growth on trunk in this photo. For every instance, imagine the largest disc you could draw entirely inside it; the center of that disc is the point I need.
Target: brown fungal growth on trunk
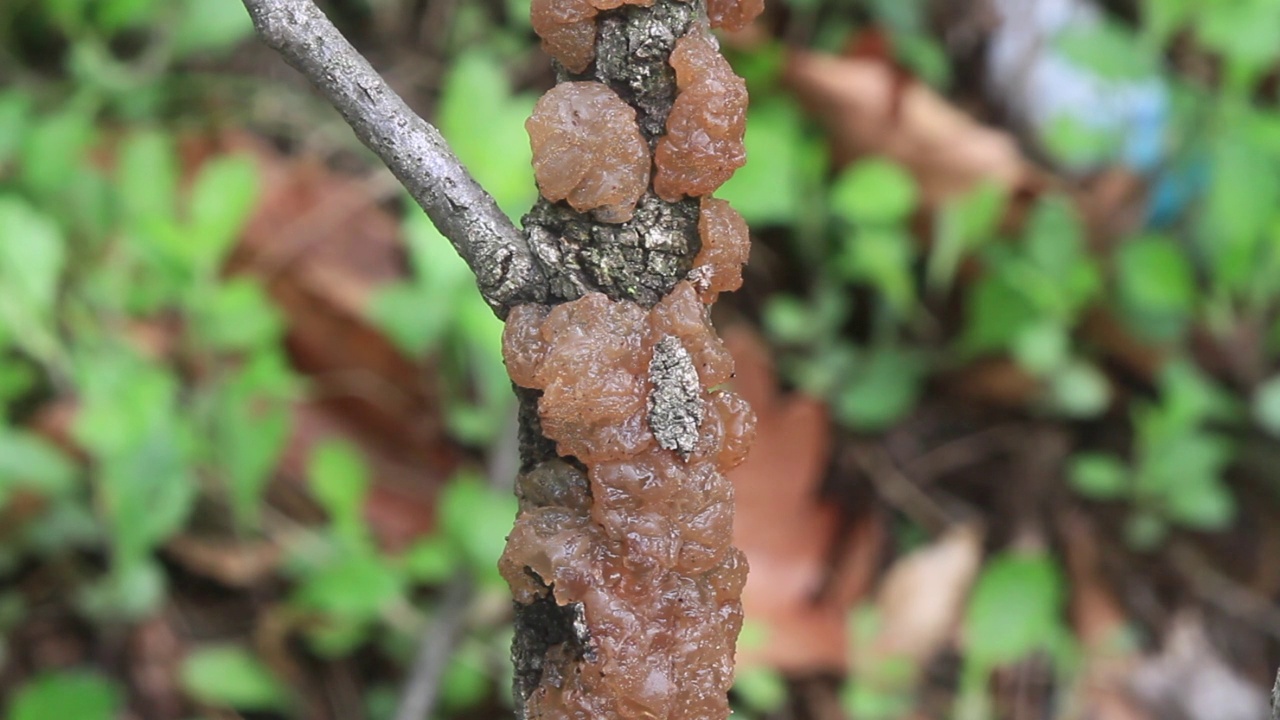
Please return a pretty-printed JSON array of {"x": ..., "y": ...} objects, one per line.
[
  {"x": 587, "y": 149},
  {"x": 733, "y": 14},
  {"x": 703, "y": 144},
  {"x": 626, "y": 584},
  {"x": 726, "y": 243},
  {"x": 649, "y": 559},
  {"x": 568, "y": 28}
]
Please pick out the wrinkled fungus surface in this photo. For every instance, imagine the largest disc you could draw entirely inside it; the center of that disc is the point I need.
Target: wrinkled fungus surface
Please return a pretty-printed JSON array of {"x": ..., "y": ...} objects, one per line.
[
  {"x": 587, "y": 149},
  {"x": 568, "y": 28},
  {"x": 703, "y": 143},
  {"x": 726, "y": 244},
  {"x": 733, "y": 14},
  {"x": 641, "y": 540}
]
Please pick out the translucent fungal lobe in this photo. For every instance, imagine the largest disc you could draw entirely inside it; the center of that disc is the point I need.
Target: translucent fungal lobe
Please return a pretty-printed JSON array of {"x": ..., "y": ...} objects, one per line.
[
  {"x": 702, "y": 146},
  {"x": 646, "y": 551},
  {"x": 587, "y": 149}
]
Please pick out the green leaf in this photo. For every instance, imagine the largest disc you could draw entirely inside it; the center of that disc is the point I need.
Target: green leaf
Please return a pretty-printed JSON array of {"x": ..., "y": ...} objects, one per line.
[
  {"x": 357, "y": 587},
  {"x": 147, "y": 179},
  {"x": 767, "y": 190},
  {"x": 128, "y": 593},
  {"x": 249, "y": 433},
  {"x": 28, "y": 461},
  {"x": 237, "y": 315},
  {"x": 761, "y": 689},
  {"x": 476, "y": 520},
  {"x": 15, "y": 118},
  {"x": 115, "y": 15},
  {"x": 1204, "y": 503},
  {"x": 882, "y": 258},
  {"x": 1107, "y": 49},
  {"x": 965, "y": 223},
  {"x": 210, "y": 26},
  {"x": 55, "y": 150},
  {"x": 789, "y": 320},
  {"x": 224, "y": 194},
  {"x": 996, "y": 314},
  {"x": 81, "y": 695},
  {"x": 405, "y": 312},
  {"x": 484, "y": 124},
  {"x": 1157, "y": 284},
  {"x": 1079, "y": 390},
  {"x": 32, "y": 257},
  {"x": 1266, "y": 405},
  {"x": 339, "y": 480},
  {"x": 1145, "y": 531},
  {"x": 1098, "y": 476},
  {"x": 874, "y": 192},
  {"x": 466, "y": 682},
  {"x": 232, "y": 677},
  {"x": 1042, "y": 348},
  {"x": 883, "y": 389},
  {"x": 431, "y": 560},
  {"x": 1015, "y": 608}
]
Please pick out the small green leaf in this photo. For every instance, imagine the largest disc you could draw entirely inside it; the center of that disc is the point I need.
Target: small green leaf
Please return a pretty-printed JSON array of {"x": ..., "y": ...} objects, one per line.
[
  {"x": 1098, "y": 476},
  {"x": 762, "y": 689},
  {"x": 883, "y": 389},
  {"x": 1266, "y": 405},
  {"x": 232, "y": 677},
  {"x": 1144, "y": 530},
  {"x": 15, "y": 117},
  {"x": 114, "y": 15},
  {"x": 466, "y": 682},
  {"x": 1042, "y": 348},
  {"x": 32, "y": 257},
  {"x": 1079, "y": 390},
  {"x": 1108, "y": 49},
  {"x": 339, "y": 480},
  {"x": 1015, "y": 608},
  {"x": 874, "y": 192},
  {"x": 431, "y": 560},
  {"x": 357, "y": 587},
  {"x": 224, "y": 194},
  {"x": 476, "y": 519},
  {"x": 147, "y": 178},
  {"x": 1204, "y": 503},
  {"x": 54, "y": 152},
  {"x": 237, "y": 315},
  {"x": 768, "y": 189},
  {"x": 69, "y": 694},
  {"x": 27, "y": 461},
  {"x": 210, "y": 26},
  {"x": 789, "y": 320},
  {"x": 484, "y": 123}
]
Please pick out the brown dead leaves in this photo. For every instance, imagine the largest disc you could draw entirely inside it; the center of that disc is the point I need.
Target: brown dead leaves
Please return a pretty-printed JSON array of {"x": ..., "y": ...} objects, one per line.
[{"x": 785, "y": 529}]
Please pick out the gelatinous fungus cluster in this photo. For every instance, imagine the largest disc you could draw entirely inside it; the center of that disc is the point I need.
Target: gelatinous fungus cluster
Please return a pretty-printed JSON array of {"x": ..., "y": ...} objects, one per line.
[
  {"x": 587, "y": 149},
  {"x": 628, "y": 393},
  {"x": 627, "y": 525}
]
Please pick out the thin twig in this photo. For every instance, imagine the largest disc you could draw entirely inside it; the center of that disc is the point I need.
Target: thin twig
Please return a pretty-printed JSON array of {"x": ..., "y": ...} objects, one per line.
[
  {"x": 496, "y": 251},
  {"x": 422, "y": 684}
]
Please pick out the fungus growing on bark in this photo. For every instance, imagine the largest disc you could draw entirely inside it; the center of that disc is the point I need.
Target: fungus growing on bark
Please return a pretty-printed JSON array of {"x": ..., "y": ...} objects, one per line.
[
  {"x": 587, "y": 149},
  {"x": 649, "y": 557},
  {"x": 726, "y": 245},
  {"x": 568, "y": 28},
  {"x": 620, "y": 560},
  {"x": 703, "y": 143},
  {"x": 733, "y": 14}
]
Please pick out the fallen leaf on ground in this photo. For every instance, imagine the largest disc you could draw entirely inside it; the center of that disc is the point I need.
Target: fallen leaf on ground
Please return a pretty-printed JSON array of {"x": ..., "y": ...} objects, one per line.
[
  {"x": 922, "y": 596},
  {"x": 786, "y": 530}
]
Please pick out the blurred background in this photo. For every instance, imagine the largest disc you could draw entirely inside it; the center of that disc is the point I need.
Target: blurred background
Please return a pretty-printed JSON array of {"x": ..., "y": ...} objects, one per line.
[{"x": 1010, "y": 325}]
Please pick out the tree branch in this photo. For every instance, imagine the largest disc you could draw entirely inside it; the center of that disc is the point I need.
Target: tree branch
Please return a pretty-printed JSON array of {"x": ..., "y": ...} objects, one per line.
[{"x": 506, "y": 270}]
